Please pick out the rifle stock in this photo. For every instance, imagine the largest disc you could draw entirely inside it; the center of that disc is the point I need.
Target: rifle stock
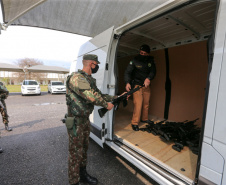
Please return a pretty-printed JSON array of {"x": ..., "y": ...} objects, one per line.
[{"x": 102, "y": 112}]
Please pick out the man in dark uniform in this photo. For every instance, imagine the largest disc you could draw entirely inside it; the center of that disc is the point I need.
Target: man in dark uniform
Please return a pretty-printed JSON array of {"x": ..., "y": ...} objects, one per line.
[
  {"x": 82, "y": 94},
  {"x": 3, "y": 95},
  {"x": 140, "y": 71}
]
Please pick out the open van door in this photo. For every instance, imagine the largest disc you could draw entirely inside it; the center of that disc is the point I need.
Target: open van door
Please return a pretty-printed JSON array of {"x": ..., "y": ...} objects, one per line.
[
  {"x": 100, "y": 46},
  {"x": 212, "y": 166}
]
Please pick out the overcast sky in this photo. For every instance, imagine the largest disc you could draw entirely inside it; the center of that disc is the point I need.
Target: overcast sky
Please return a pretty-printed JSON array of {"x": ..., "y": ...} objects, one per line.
[{"x": 51, "y": 47}]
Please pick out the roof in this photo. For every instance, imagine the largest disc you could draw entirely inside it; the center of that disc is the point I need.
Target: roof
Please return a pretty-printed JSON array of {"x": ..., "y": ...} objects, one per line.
[
  {"x": 47, "y": 69},
  {"x": 36, "y": 68},
  {"x": 10, "y": 67},
  {"x": 83, "y": 17}
]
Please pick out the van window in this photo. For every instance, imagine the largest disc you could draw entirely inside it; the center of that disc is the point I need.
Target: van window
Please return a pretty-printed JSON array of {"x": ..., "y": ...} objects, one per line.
[
  {"x": 57, "y": 83},
  {"x": 30, "y": 83}
]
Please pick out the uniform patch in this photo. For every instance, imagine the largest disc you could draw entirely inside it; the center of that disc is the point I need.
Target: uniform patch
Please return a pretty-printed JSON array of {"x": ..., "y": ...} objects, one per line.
[
  {"x": 149, "y": 64},
  {"x": 131, "y": 62},
  {"x": 83, "y": 84}
]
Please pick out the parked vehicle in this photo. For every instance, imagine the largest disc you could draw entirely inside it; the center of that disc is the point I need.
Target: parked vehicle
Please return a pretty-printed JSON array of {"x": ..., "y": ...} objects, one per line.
[
  {"x": 30, "y": 87},
  {"x": 187, "y": 39},
  {"x": 56, "y": 87}
]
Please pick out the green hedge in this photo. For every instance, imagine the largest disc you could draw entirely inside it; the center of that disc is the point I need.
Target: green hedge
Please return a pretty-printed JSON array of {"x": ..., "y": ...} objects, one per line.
[{"x": 17, "y": 88}]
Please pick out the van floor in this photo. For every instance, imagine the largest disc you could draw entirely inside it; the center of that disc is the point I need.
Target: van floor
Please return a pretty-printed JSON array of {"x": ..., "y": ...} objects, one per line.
[{"x": 183, "y": 162}]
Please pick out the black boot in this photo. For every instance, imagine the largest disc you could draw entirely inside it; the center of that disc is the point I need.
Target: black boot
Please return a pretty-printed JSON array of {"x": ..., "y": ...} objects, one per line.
[
  {"x": 85, "y": 177},
  {"x": 1, "y": 150},
  {"x": 7, "y": 127},
  {"x": 76, "y": 183},
  {"x": 135, "y": 127}
]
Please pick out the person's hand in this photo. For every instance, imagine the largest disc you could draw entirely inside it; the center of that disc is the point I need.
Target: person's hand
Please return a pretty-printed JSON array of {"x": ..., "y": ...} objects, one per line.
[
  {"x": 125, "y": 93},
  {"x": 110, "y": 106},
  {"x": 128, "y": 87},
  {"x": 147, "y": 82}
]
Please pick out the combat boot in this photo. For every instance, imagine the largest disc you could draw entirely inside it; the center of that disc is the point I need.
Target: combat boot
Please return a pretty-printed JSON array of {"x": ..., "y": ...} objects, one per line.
[
  {"x": 1, "y": 150},
  {"x": 7, "y": 127},
  {"x": 135, "y": 127},
  {"x": 147, "y": 121},
  {"x": 76, "y": 183},
  {"x": 85, "y": 177}
]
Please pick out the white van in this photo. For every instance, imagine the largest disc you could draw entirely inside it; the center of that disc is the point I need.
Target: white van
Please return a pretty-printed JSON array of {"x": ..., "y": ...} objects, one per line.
[{"x": 187, "y": 40}]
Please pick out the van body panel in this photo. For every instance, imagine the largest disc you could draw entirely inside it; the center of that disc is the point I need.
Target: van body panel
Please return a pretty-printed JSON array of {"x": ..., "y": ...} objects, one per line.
[
  {"x": 152, "y": 13},
  {"x": 73, "y": 66},
  {"x": 99, "y": 46},
  {"x": 203, "y": 181},
  {"x": 214, "y": 144},
  {"x": 220, "y": 126},
  {"x": 219, "y": 141},
  {"x": 215, "y": 73},
  {"x": 100, "y": 41},
  {"x": 217, "y": 162},
  {"x": 212, "y": 176}
]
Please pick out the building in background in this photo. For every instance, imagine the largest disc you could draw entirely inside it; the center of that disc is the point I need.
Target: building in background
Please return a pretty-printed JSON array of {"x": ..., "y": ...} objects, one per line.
[{"x": 10, "y": 78}]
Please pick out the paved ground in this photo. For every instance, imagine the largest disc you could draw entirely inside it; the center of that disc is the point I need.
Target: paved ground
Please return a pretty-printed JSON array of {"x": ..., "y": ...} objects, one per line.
[{"x": 36, "y": 151}]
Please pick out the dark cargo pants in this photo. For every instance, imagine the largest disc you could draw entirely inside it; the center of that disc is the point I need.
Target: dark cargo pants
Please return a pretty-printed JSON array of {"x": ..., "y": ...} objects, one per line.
[{"x": 78, "y": 146}]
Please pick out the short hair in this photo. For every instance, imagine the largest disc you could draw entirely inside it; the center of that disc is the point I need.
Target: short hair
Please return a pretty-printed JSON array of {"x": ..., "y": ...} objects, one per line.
[{"x": 86, "y": 62}]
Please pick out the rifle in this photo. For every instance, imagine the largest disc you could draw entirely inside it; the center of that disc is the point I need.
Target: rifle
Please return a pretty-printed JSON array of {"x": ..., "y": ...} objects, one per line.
[{"x": 117, "y": 101}]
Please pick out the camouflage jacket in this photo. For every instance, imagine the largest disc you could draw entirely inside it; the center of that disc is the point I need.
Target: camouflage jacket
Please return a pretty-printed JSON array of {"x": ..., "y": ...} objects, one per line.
[
  {"x": 3, "y": 91},
  {"x": 82, "y": 94}
]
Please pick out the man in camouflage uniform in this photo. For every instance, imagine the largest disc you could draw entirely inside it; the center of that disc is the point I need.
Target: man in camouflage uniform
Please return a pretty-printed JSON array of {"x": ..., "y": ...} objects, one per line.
[
  {"x": 3, "y": 95},
  {"x": 82, "y": 94}
]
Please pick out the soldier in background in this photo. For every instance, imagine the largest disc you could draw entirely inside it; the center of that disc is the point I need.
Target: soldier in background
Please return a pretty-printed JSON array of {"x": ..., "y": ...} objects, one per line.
[
  {"x": 3, "y": 95},
  {"x": 82, "y": 94}
]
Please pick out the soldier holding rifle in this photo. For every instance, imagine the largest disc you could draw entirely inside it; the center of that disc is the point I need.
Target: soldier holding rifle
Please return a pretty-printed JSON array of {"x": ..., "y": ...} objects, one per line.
[{"x": 82, "y": 94}]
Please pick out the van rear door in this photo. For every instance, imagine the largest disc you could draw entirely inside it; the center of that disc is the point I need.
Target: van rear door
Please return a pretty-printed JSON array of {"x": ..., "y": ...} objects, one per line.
[
  {"x": 213, "y": 154},
  {"x": 100, "y": 46}
]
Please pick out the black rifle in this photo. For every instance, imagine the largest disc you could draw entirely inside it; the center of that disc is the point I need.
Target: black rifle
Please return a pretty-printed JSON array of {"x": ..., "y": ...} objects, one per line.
[{"x": 117, "y": 101}]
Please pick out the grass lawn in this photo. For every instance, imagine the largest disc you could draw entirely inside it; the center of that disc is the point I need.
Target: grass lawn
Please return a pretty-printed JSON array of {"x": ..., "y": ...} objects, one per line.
[{"x": 17, "y": 88}]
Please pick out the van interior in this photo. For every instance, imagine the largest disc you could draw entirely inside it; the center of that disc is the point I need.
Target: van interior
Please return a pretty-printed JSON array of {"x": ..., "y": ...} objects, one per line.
[{"x": 179, "y": 43}]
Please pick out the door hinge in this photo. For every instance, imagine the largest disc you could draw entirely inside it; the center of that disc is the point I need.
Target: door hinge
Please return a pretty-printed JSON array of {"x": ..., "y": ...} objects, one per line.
[
  {"x": 106, "y": 66},
  {"x": 110, "y": 86},
  {"x": 117, "y": 36}
]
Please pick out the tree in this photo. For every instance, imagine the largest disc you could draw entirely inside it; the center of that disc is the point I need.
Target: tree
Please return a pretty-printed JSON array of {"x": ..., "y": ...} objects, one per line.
[{"x": 26, "y": 63}]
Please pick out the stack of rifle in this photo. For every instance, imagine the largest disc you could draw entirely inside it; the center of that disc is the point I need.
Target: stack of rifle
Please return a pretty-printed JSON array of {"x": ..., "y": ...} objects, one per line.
[{"x": 181, "y": 133}]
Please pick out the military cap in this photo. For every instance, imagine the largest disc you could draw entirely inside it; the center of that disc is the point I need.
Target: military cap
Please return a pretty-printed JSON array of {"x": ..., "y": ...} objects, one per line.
[
  {"x": 145, "y": 48},
  {"x": 91, "y": 57}
]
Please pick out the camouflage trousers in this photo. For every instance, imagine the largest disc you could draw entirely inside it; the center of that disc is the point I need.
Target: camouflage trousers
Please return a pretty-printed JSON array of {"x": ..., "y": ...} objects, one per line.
[
  {"x": 78, "y": 146},
  {"x": 4, "y": 113}
]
